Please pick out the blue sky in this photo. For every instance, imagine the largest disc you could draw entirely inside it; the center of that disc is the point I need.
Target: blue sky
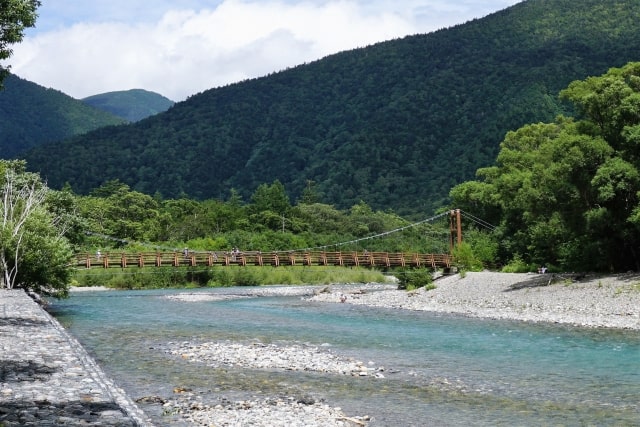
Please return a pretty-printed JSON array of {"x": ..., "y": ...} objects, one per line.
[{"x": 181, "y": 47}]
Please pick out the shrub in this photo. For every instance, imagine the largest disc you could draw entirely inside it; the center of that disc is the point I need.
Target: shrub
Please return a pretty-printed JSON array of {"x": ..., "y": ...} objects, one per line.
[
  {"x": 410, "y": 279},
  {"x": 516, "y": 265}
]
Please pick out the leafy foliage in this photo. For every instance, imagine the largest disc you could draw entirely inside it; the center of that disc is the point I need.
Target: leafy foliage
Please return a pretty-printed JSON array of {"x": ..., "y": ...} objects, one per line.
[
  {"x": 395, "y": 125},
  {"x": 411, "y": 279},
  {"x": 15, "y": 17},
  {"x": 568, "y": 193},
  {"x": 34, "y": 254}
]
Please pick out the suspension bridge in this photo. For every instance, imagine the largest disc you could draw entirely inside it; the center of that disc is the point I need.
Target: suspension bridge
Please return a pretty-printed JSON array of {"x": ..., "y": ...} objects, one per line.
[{"x": 301, "y": 257}]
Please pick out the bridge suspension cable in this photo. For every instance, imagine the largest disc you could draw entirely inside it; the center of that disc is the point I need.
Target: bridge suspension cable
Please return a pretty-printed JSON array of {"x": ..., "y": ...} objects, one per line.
[
  {"x": 375, "y": 236},
  {"x": 478, "y": 221},
  {"x": 349, "y": 242}
]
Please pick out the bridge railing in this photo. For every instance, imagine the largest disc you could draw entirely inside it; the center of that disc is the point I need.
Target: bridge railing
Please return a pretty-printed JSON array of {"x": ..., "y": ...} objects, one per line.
[{"x": 258, "y": 258}]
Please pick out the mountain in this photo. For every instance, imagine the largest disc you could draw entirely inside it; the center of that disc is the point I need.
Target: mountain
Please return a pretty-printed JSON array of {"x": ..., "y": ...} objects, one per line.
[
  {"x": 132, "y": 105},
  {"x": 396, "y": 124},
  {"x": 31, "y": 115}
]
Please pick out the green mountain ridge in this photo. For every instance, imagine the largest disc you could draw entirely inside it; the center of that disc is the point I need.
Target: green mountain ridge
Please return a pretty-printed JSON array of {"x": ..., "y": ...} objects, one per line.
[
  {"x": 132, "y": 105},
  {"x": 31, "y": 115},
  {"x": 396, "y": 124}
]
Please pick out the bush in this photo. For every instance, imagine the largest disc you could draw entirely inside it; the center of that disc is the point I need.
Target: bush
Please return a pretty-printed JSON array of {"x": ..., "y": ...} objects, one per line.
[
  {"x": 516, "y": 265},
  {"x": 466, "y": 259},
  {"x": 410, "y": 279}
]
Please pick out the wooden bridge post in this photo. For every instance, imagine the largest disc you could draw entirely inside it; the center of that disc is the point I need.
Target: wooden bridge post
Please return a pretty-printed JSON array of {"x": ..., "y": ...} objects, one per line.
[
  {"x": 455, "y": 228},
  {"x": 323, "y": 259}
]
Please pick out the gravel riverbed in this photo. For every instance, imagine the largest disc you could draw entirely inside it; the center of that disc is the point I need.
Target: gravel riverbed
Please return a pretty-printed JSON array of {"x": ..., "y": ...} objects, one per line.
[{"x": 583, "y": 300}]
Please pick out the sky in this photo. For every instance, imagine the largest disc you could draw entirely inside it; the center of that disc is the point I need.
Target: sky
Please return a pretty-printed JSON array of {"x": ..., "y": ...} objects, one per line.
[{"x": 178, "y": 48}]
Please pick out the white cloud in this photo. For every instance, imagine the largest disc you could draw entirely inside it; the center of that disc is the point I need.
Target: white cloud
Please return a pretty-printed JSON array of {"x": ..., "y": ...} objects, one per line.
[{"x": 186, "y": 51}]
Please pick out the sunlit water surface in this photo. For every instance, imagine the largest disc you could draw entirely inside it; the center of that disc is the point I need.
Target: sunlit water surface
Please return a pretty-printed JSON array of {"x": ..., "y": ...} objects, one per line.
[{"x": 440, "y": 370}]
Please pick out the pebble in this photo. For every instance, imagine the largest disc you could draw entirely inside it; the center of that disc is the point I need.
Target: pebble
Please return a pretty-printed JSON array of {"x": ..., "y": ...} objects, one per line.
[
  {"x": 269, "y": 356},
  {"x": 47, "y": 378},
  {"x": 282, "y": 411},
  {"x": 264, "y": 412}
]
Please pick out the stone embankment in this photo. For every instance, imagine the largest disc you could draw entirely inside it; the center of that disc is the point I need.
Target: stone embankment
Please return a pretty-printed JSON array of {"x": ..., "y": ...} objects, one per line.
[{"x": 48, "y": 379}]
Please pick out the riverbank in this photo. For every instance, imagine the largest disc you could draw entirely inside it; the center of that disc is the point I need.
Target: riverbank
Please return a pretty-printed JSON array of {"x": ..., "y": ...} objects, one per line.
[
  {"x": 590, "y": 301},
  {"x": 47, "y": 378}
]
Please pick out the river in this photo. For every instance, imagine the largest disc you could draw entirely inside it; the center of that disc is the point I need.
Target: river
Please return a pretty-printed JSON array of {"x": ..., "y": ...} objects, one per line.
[{"x": 440, "y": 370}]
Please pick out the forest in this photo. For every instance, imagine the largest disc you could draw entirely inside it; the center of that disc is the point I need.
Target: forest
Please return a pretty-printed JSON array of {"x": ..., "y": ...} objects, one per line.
[
  {"x": 395, "y": 124},
  {"x": 31, "y": 115},
  {"x": 564, "y": 195}
]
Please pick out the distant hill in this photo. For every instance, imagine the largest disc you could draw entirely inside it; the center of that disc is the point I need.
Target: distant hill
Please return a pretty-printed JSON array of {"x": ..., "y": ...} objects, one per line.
[
  {"x": 31, "y": 115},
  {"x": 396, "y": 124},
  {"x": 132, "y": 105}
]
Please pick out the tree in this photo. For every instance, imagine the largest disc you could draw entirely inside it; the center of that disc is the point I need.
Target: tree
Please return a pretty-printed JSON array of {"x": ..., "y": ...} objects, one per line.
[
  {"x": 121, "y": 213},
  {"x": 270, "y": 205},
  {"x": 15, "y": 16},
  {"x": 568, "y": 193},
  {"x": 34, "y": 254}
]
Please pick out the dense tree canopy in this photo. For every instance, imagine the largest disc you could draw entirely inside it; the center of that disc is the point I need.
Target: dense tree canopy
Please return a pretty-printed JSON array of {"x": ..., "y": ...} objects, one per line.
[
  {"x": 34, "y": 251},
  {"x": 396, "y": 124},
  {"x": 31, "y": 115},
  {"x": 567, "y": 193}
]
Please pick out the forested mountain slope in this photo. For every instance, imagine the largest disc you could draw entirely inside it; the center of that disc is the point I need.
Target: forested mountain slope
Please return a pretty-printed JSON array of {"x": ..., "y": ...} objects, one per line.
[
  {"x": 31, "y": 115},
  {"x": 396, "y": 124},
  {"x": 132, "y": 105}
]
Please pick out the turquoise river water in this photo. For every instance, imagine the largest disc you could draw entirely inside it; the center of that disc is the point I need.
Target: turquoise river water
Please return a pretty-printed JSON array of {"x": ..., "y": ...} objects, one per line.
[{"x": 440, "y": 370}]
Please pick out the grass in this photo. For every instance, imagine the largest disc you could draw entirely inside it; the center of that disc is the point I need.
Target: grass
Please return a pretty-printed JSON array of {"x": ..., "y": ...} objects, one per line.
[{"x": 171, "y": 277}]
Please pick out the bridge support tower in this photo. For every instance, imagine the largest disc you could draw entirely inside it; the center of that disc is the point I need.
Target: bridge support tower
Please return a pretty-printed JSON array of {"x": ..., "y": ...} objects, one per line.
[{"x": 455, "y": 230}]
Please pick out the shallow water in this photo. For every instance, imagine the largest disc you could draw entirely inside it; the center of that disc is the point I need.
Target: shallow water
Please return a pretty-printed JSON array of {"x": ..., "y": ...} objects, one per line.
[{"x": 440, "y": 370}]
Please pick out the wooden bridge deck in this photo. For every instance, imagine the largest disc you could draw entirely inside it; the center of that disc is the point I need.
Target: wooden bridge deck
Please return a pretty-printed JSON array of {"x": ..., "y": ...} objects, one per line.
[{"x": 210, "y": 259}]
